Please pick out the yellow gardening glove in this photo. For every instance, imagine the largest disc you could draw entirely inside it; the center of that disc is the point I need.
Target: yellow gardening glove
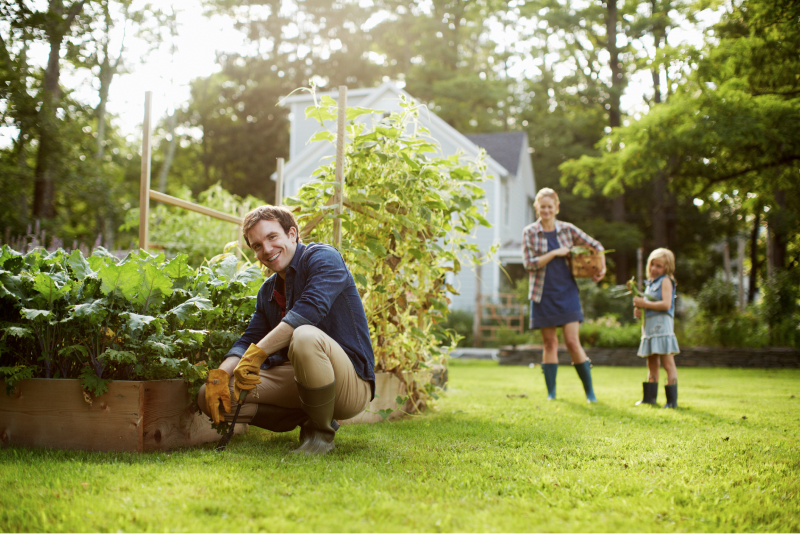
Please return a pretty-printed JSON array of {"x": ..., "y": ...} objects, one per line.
[
  {"x": 246, "y": 375},
  {"x": 217, "y": 390}
]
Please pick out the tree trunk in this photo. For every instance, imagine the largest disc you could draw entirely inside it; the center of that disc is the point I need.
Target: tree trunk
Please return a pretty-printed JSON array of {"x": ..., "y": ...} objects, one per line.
[
  {"x": 49, "y": 146},
  {"x": 659, "y": 211},
  {"x": 780, "y": 232},
  {"x": 751, "y": 292},
  {"x": 614, "y": 121},
  {"x": 46, "y": 158}
]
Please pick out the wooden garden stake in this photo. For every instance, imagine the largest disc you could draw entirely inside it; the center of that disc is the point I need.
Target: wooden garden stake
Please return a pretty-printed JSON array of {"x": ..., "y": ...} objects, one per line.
[
  {"x": 144, "y": 189},
  {"x": 279, "y": 183},
  {"x": 339, "y": 184}
]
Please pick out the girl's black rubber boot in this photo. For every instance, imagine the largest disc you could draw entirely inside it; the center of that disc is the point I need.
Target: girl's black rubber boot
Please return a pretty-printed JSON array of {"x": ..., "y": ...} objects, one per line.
[
  {"x": 650, "y": 394},
  {"x": 672, "y": 396}
]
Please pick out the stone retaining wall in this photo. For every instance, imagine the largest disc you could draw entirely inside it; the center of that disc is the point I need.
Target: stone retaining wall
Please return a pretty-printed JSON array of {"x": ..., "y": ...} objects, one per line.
[{"x": 689, "y": 357}]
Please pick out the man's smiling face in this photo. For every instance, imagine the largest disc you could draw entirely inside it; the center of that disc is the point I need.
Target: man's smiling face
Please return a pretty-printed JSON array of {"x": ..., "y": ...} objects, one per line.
[{"x": 273, "y": 247}]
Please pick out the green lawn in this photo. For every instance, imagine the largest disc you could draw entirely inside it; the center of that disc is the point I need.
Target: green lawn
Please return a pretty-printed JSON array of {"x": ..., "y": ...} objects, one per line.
[{"x": 493, "y": 456}]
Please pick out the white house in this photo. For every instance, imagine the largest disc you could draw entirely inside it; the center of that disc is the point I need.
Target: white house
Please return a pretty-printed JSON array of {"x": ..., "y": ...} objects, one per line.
[{"x": 509, "y": 192}]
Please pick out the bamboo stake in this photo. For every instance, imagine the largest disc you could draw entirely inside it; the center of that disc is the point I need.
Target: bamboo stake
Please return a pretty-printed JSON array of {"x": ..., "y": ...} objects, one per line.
[
  {"x": 339, "y": 185},
  {"x": 144, "y": 197},
  {"x": 279, "y": 183},
  {"x": 166, "y": 199}
]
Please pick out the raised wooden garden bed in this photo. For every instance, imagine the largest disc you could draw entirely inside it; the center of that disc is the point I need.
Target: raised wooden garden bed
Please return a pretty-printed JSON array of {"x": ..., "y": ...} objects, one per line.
[
  {"x": 131, "y": 416},
  {"x": 387, "y": 387},
  {"x": 138, "y": 416}
]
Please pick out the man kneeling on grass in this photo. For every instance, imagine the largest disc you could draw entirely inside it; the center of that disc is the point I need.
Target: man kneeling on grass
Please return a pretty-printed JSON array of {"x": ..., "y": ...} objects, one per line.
[{"x": 306, "y": 357}]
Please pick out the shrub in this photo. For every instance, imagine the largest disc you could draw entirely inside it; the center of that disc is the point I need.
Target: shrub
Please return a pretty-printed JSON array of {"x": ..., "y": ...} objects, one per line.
[
  {"x": 743, "y": 330},
  {"x": 461, "y": 323},
  {"x": 779, "y": 309},
  {"x": 608, "y": 332},
  {"x": 717, "y": 298}
]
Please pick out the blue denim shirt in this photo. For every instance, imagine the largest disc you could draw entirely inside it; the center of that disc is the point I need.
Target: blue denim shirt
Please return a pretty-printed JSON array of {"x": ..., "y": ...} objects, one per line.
[
  {"x": 320, "y": 291},
  {"x": 653, "y": 289}
]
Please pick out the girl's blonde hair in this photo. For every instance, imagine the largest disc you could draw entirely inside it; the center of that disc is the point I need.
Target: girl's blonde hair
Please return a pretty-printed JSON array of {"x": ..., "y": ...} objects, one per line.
[
  {"x": 665, "y": 255},
  {"x": 545, "y": 192}
]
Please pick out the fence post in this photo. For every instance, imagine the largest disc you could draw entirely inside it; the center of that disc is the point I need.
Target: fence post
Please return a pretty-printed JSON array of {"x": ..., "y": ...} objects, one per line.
[
  {"x": 279, "y": 183},
  {"x": 639, "y": 267},
  {"x": 339, "y": 184},
  {"x": 740, "y": 271},
  {"x": 144, "y": 189},
  {"x": 477, "y": 319},
  {"x": 726, "y": 262}
]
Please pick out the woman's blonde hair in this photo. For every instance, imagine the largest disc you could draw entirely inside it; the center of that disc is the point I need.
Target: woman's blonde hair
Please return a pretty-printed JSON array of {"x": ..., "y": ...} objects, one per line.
[
  {"x": 545, "y": 192},
  {"x": 665, "y": 255}
]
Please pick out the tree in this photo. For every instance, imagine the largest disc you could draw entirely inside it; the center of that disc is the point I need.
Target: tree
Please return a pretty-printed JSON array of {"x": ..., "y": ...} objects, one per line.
[
  {"x": 730, "y": 129},
  {"x": 55, "y": 24}
]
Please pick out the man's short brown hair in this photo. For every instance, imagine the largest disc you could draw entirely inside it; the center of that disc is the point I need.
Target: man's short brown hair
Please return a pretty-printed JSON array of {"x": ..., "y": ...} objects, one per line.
[{"x": 270, "y": 213}]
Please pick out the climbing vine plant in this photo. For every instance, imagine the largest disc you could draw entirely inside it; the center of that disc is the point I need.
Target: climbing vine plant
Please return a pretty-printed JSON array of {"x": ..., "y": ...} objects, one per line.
[{"x": 406, "y": 223}]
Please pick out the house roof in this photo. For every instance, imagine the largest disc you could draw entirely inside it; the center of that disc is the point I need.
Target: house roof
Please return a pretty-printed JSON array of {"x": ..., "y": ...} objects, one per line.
[
  {"x": 316, "y": 151},
  {"x": 503, "y": 147}
]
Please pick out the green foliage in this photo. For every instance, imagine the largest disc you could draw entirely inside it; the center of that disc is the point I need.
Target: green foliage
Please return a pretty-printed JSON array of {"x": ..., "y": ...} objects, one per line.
[
  {"x": 461, "y": 322},
  {"x": 780, "y": 309},
  {"x": 601, "y": 301},
  {"x": 717, "y": 297},
  {"x": 412, "y": 212},
  {"x": 178, "y": 231},
  {"x": 608, "y": 332},
  {"x": 743, "y": 330},
  {"x": 100, "y": 319}
]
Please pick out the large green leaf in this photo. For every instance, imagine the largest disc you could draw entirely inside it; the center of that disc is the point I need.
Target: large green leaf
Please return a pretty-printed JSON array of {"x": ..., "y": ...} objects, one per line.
[
  {"x": 18, "y": 331},
  {"x": 95, "y": 311},
  {"x": 189, "y": 308},
  {"x": 178, "y": 267},
  {"x": 123, "y": 277},
  {"x": 92, "y": 383},
  {"x": 51, "y": 286},
  {"x": 124, "y": 357},
  {"x": 136, "y": 322},
  {"x": 36, "y": 315},
  {"x": 79, "y": 265},
  {"x": 154, "y": 282},
  {"x": 226, "y": 267},
  {"x": 11, "y": 286}
]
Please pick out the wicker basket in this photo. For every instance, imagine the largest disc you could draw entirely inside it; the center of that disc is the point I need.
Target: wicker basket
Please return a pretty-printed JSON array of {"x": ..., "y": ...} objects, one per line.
[{"x": 586, "y": 265}]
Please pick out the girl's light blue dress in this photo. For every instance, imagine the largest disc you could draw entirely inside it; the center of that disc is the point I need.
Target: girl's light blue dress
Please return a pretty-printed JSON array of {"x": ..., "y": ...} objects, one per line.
[{"x": 658, "y": 334}]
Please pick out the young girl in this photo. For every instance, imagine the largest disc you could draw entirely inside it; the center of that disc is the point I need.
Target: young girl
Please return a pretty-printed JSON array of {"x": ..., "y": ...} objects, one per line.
[{"x": 658, "y": 334}]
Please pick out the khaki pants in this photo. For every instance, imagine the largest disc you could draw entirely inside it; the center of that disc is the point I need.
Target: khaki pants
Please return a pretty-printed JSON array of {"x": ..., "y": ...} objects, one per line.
[{"x": 316, "y": 360}]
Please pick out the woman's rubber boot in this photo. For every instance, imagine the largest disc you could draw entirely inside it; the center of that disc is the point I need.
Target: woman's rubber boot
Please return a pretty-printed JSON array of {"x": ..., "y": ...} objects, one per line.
[
  {"x": 672, "y": 396},
  {"x": 650, "y": 395},
  {"x": 278, "y": 419},
  {"x": 318, "y": 432},
  {"x": 550, "y": 371},
  {"x": 585, "y": 373}
]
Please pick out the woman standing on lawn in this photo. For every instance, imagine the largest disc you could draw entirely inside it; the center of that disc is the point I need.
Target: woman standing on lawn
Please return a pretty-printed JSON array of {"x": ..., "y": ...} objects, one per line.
[
  {"x": 658, "y": 333},
  {"x": 553, "y": 292}
]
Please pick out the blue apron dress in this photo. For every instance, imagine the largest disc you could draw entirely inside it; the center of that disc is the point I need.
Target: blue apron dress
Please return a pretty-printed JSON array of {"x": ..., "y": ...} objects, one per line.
[{"x": 560, "y": 302}]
